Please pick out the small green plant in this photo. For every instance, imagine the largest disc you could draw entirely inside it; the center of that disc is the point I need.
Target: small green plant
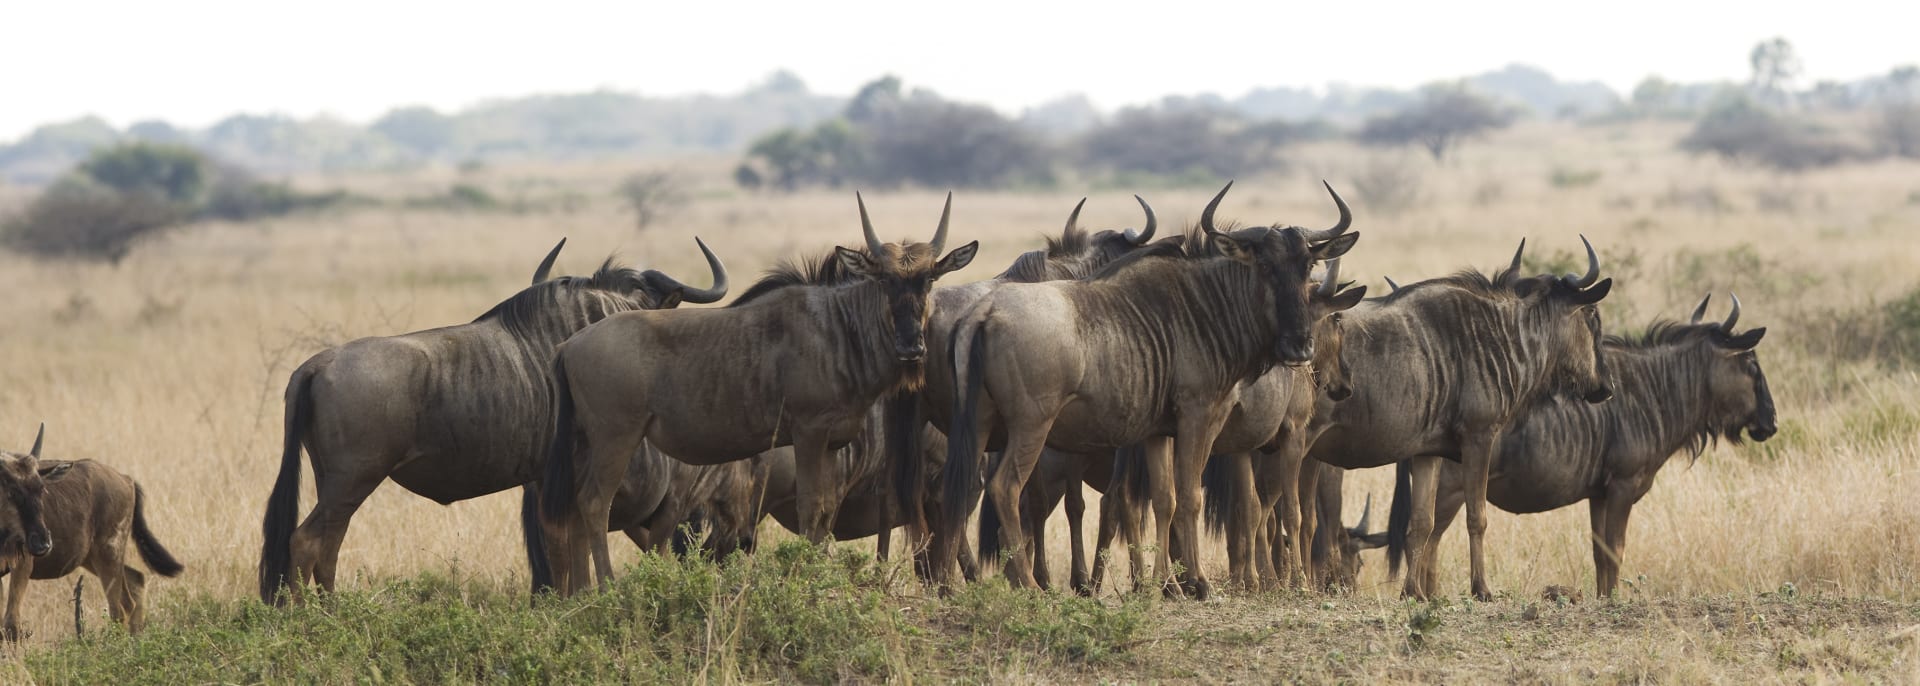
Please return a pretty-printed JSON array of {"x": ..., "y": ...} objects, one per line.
[
  {"x": 1565, "y": 178},
  {"x": 1423, "y": 621}
]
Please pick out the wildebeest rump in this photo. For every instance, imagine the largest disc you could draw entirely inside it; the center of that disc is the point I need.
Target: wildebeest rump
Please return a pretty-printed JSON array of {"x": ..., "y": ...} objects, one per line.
[
  {"x": 1442, "y": 367},
  {"x": 1152, "y": 345},
  {"x": 1678, "y": 387},
  {"x": 451, "y": 413},
  {"x": 59, "y": 516},
  {"x": 792, "y": 362}
]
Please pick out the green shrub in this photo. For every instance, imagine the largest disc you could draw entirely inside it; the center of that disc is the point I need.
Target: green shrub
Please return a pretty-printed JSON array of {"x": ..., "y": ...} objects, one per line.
[{"x": 81, "y": 218}]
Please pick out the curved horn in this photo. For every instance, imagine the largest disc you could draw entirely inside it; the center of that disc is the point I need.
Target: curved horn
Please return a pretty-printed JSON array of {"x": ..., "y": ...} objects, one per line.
[
  {"x": 1346, "y": 220},
  {"x": 1733, "y": 316},
  {"x": 1330, "y": 283},
  {"x": 1513, "y": 270},
  {"x": 1206, "y": 215},
  {"x": 1145, "y": 234},
  {"x": 1073, "y": 219},
  {"x": 1391, "y": 286},
  {"x": 708, "y": 295},
  {"x": 1593, "y": 269},
  {"x": 1366, "y": 514},
  {"x": 940, "y": 234},
  {"x": 36, "y": 441},
  {"x": 866, "y": 227},
  {"x": 1701, "y": 311},
  {"x": 546, "y": 265}
]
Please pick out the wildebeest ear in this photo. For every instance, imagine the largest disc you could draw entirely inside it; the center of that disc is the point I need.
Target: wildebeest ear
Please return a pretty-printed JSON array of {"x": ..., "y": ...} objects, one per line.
[
  {"x": 1230, "y": 247},
  {"x": 1594, "y": 294},
  {"x": 1336, "y": 247},
  {"x": 1747, "y": 340},
  {"x": 956, "y": 260},
  {"x": 855, "y": 262},
  {"x": 53, "y": 472},
  {"x": 669, "y": 301},
  {"x": 1348, "y": 298}
]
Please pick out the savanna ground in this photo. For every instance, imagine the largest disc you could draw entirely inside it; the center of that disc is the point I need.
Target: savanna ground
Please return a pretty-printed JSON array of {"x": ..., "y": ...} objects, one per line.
[{"x": 1793, "y": 560}]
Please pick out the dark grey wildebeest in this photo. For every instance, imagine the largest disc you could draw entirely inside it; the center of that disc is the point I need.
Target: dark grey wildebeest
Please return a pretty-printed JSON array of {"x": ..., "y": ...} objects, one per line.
[
  {"x": 793, "y": 362},
  {"x": 60, "y": 516},
  {"x": 450, "y": 414},
  {"x": 1152, "y": 345},
  {"x": 1677, "y": 388},
  {"x": 1442, "y": 367}
]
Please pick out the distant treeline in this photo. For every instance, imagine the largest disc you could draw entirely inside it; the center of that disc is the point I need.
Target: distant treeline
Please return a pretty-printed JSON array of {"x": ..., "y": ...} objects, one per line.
[{"x": 794, "y": 136}]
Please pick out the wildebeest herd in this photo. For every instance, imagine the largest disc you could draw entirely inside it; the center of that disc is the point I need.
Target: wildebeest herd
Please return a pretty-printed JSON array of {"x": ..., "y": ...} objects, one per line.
[{"x": 1222, "y": 375}]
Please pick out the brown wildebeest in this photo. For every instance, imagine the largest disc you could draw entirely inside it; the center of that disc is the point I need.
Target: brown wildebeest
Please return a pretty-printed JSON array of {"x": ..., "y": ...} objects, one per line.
[
  {"x": 1334, "y": 562},
  {"x": 1269, "y": 414},
  {"x": 793, "y": 362},
  {"x": 1442, "y": 367},
  {"x": 1678, "y": 388},
  {"x": 451, "y": 413},
  {"x": 1153, "y": 345},
  {"x": 58, "y": 516}
]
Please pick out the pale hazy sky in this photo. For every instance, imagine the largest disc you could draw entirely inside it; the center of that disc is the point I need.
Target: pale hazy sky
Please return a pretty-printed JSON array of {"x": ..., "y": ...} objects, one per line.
[{"x": 193, "y": 62}]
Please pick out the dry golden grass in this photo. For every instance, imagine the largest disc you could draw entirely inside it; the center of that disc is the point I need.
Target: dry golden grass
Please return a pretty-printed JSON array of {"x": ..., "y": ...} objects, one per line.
[{"x": 171, "y": 366}]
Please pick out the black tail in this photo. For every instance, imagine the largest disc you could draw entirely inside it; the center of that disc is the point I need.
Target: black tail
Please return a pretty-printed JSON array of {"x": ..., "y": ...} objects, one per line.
[
  {"x": 1218, "y": 485},
  {"x": 151, "y": 552},
  {"x": 990, "y": 545},
  {"x": 557, "y": 488},
  {"x": 535, "y": 539},
  {"x": 1399, "y": 517},
  {"x": 276, "y": 550},
  {"x": 1128, "y": 486},
  {"x": 902, "y": 424},
  {"x": 962, "y": 472}
]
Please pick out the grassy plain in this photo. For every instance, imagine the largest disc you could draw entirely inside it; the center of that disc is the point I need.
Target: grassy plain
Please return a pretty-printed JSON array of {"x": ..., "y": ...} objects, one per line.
[{"x": 1797, "y": 559}]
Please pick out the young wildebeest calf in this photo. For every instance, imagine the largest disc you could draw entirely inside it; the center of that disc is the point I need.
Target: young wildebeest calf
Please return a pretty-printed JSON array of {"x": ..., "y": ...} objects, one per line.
[
  {"x": 59, "y": 516},
  {"x": 1678, "y": 388}
]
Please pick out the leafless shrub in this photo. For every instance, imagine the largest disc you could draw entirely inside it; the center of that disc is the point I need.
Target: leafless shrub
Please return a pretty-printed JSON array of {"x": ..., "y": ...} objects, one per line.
[
  {"x": 652, "y": 195},
  {"x": 1389, "y": 184}
]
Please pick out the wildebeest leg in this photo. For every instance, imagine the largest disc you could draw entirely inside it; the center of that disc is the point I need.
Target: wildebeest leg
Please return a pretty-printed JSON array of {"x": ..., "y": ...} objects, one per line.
[
  {"x": 1420, "y": 528},
  {"x": 1004, "y": 487},
  {"x": 1192, "y": 445},
  {"x": 1158, "y": 453},
  {"x": 1306, "y": 494},
  {"x": 1103, "y": 537},
  {"x": 1476, "y": 456},
  {"x": 17, "y": 579},
  {"x": 1603, "y": 559},
  {"x": 818, "y": 472},
  {"x": 1076, "y": 532},
  {"x": 1619, "y": 509},
  {"x": 610, "y": 448},
  {"x": 134, "y": 595},
  {"x": 1243, "y": 523},
  {"x": 316, "y": 543},
  {"x": 884, "y": 545},
  {"x": 1039, "y": 502},
  {"x": 969, "y": 565}
]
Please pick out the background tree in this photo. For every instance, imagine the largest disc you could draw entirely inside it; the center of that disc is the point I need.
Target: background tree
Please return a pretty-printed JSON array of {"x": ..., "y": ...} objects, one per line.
[
  {"x": 1445, "y": 115},
  {"x": 652, "y": 195},
  {"x": 1775, "y": 67}
]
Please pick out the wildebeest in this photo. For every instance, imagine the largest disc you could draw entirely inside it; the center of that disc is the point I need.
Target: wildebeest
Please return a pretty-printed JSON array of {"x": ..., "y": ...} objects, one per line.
[
  {"x": 1275, "y": 417},
  {"x": 58, "y": 516},
  {"x": 1334, "y": 562},
  {"x": 1269, "y": 413},
  {"x": 1442, "y": 367},
  {"x": 792, "y": 362},
  {"x": 1678, "y": 387},
  {"x": 451, "y": 413},
  {"x": 1152, "y": 345}
]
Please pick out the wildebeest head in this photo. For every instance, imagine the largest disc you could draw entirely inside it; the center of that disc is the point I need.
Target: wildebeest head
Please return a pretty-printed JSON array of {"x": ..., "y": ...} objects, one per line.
[
  {"x": 1344, "y": 570},
  {"x": 1739, "y": 396},
  {"x": 1282, "y": 258},
  {"x": 650, "y": 289},
  {"x": 23, "y": 482},
  {"x": 1563, "y": 319},
  {"x": 906, "y": 271},
  {"x": 1329, "y": 299}
]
